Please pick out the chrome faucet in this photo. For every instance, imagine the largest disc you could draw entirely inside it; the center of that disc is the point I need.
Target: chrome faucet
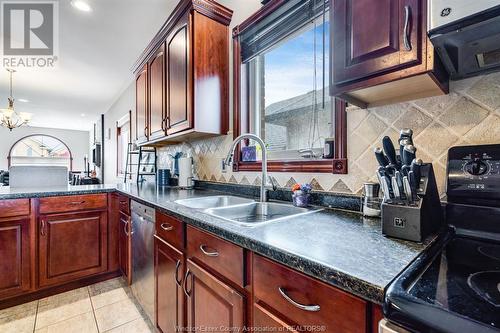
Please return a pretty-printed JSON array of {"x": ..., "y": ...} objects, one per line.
[{"x": 228, "y": 161}]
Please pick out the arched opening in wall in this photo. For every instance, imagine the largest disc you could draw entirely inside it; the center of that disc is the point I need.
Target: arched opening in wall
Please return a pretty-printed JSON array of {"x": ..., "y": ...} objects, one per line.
[{"x": 41, "y": 150}]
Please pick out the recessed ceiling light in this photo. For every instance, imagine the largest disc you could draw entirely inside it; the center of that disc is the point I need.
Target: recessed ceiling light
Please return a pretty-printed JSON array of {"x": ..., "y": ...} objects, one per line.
[
  {"x": 83, "y": 114},
  {"x": 23, "y": 100},
  {"x": 81, "y": 5}
]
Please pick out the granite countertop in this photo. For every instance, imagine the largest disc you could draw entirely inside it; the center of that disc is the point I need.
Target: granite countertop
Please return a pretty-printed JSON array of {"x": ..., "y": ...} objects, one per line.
[
  {"x": 338, "y": 247},
  {"x": 7, "y": 192}
]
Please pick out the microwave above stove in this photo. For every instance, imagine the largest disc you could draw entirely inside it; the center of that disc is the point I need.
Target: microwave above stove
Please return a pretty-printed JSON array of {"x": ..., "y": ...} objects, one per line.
[{"x": 466, "y": 35}]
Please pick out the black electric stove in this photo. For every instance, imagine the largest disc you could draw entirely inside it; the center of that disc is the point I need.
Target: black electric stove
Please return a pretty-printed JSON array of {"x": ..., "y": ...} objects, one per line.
[{"x": 455, "y": 285}]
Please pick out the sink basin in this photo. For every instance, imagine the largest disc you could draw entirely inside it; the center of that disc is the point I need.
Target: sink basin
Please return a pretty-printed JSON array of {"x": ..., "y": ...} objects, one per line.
[
  {"x": 256, "y": 213},
  {"x": 213, "y": 201}
]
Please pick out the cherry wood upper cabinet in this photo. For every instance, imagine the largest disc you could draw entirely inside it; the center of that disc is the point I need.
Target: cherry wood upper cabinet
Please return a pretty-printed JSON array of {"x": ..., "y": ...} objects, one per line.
[
  {"x": 381, "y": 53},
  {"x": 179, "y": 111},
  {"x": 141, "y": 104},
  {"x": 15, "y": 256},
  {"x": 212, "y": 303},
  {"x": 195, "y": 39},
  {"x": 156, "y": 94},
  {"x": 374, "y": 36},
  {"x": 71, "y": 246},
  {"x": 170, "y": 298}
]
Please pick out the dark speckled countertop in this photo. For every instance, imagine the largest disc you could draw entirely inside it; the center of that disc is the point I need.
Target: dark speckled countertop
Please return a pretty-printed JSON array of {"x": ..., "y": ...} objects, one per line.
[{"x": 338, "y": 247}]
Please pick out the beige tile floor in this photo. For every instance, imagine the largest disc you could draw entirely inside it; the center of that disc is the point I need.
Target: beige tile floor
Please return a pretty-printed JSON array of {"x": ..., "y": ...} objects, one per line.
[{"x": 103, "y": 307}]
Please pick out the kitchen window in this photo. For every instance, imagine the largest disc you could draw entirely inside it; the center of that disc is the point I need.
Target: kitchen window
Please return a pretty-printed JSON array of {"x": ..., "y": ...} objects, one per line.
[
  {"x": 41, "y": 150},
  {"x": 123, "y": 138},
  {"x": 282, "y": 68}
]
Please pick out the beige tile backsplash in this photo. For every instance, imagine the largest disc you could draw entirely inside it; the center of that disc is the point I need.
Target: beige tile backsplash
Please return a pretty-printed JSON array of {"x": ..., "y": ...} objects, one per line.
[{"x": 470, "y": 114}]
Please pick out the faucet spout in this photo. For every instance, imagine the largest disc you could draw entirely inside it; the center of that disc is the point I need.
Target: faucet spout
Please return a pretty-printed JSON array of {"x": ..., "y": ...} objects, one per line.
[{"x": 228, "y": 160}]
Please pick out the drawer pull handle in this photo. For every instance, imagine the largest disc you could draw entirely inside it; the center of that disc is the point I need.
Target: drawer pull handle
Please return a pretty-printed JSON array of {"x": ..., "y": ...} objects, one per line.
[
  {"x": 42, "y": 229},
  {"x": 128, "y": 228},
  {"x": 406, "y": 29},
  {"x": 184, "y": 285},
  {"x": 166, "y": 227},
  {"x": 311, "y": 308},
  {"x": 77, "y": 202},
  {"x": 176, "y": 276},
  {"x": 208, "y": 253}
]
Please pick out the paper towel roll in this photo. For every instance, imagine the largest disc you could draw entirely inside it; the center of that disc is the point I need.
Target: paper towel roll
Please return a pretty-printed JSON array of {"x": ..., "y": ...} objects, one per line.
[{"x": 186, "y": 172}]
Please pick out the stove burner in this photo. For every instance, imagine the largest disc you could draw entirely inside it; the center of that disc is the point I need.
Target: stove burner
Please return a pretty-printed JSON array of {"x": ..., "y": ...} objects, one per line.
[
  {"x": 486, "y": 285},
  {"x": 491, "y": 251}
]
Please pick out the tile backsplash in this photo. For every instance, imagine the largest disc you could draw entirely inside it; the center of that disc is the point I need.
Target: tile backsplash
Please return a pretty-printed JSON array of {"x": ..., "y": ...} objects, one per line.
[{"x": 470, "y": 114}]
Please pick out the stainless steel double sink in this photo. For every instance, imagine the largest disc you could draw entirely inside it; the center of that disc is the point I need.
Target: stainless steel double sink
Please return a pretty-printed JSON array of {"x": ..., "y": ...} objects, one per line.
[{"x": 242, "y": 211}]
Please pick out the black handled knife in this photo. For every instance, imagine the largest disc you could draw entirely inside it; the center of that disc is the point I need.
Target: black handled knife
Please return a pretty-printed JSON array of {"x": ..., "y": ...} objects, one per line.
[
  {"x": 406, "y": 133},
  {"x": 380, "y": 156},
  {"x": 409, "y": 152},
  {"x": 415, "y": 168},
  {"x": 389, "y": 151}
]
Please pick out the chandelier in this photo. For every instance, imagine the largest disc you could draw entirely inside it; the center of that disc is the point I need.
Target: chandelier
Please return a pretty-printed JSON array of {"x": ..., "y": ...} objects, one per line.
[{"x": 9, "y": 118}]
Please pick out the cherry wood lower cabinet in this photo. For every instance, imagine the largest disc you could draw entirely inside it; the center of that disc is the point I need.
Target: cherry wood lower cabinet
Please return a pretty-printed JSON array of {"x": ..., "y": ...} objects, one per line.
[
  {"x": 267, "y": 321},
  {"x": 125, "y": 247},
  {"x": 284, "y": 297},
  {"x": 212, "y": 304},
  {"x": 71, "y": 246},
  {"x": 170, "y": 299},
  {"x": 14, "y": 256}
]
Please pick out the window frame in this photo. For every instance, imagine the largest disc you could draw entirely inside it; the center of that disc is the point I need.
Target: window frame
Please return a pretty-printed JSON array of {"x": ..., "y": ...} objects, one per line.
[
  {"x": 124, "y": 121},
  {"x": 337, "y": 165},
  {"x": 10, "y": 156}
]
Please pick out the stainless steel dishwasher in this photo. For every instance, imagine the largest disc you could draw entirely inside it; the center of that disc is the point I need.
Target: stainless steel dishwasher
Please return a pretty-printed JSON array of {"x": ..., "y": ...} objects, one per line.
[{"x": 143, "y": 226}]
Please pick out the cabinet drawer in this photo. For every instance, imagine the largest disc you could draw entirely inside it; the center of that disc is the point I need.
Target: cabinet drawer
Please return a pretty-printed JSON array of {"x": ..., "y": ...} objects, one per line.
[
  {"x": 170, "y": 230},
  {"x": 306, "y": 301},
  {"x": 222, "y": 256},
  {"x": 14, "y": 207},
  {"x": 72, "y": 203}
]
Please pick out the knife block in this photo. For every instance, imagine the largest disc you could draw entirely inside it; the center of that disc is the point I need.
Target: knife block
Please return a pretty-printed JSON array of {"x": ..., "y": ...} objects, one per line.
[{"x": 415, "y": 222}]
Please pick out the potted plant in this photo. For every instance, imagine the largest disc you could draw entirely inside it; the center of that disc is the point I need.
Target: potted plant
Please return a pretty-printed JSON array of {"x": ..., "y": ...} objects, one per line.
[{"x": 301, "y": 195}]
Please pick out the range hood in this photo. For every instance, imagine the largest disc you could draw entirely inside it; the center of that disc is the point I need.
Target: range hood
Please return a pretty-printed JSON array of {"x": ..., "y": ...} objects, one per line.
[{"x": 466, "y": 35}]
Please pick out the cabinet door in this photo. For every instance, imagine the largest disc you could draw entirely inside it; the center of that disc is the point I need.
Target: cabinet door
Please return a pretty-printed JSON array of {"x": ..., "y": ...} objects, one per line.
[
  {"x": 212, "y": 303},
  {"x": 170, "y": 299},
  {"x": 141, "y": 105},
  {"x": 370, "y": 37},
  {"x": 72, "y": 246},
  {"x": 124, "y": 247},
  {"x": 14, "y": 256},
  {"x": 178, "y": 87},
  {"x": 263, "y": 319},
  {"x": 156, "y": 89}
]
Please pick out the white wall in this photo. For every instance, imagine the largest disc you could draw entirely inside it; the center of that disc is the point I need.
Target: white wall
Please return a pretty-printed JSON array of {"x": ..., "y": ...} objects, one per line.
[
  {"x": 77, "y": 141},
  {"x": 126, "y": 101},
  {"x": 118, "y": 110}
]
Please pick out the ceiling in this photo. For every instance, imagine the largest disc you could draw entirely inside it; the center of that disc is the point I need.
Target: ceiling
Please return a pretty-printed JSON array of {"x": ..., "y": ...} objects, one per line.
[{"x": 96, "y": 53}]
